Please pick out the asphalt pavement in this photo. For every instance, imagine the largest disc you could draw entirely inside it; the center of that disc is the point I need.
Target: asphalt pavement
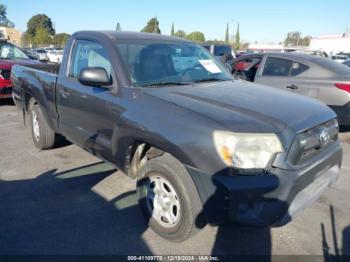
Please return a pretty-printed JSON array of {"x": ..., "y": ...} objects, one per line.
[{"x": 66, "y": 201}]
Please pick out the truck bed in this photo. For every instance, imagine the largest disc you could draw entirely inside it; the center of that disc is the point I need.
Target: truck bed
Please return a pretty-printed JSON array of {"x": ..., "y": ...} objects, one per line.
[
  {"x": 47, "y": 67},
  {"x": 37, "y": 81}
]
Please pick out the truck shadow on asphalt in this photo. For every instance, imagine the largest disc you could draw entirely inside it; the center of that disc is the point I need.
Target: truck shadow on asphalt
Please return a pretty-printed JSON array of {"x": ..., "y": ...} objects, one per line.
[
  {"x": 59, "y": 213},
  {"x": 339, "y": 251},
  {"x": 62, "y": 213}
]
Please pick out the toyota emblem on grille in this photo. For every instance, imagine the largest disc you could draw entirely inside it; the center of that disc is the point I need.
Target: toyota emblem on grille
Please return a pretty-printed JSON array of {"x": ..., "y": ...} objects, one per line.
[{"x": 324, "y": 137}]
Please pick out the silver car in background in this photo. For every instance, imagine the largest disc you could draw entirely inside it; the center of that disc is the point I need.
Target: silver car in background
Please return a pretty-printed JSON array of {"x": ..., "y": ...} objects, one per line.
[{"x": 304, "y": 74}]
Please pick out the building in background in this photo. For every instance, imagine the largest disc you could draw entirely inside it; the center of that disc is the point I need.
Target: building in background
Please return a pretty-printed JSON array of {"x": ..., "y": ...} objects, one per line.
[
  {"x": 332, "y": 44},
  {"x": 12, "y": 35},
  {"x": 262, "y": 48},
  {"x": 271, "y": 48}
]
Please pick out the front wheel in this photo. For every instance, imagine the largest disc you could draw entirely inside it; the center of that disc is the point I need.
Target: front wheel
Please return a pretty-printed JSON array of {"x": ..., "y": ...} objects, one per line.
[
  {"x": 169, "y": 198},
  {"x": 42, "y": 134}
]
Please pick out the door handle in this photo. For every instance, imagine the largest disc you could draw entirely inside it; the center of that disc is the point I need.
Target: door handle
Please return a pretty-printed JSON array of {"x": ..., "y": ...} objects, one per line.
[{"x": 293, "y": 87}]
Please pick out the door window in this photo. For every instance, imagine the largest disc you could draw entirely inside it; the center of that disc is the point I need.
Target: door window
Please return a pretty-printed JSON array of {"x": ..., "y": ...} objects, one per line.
[
  {"x": 298, "y": 69},
  {"x": 88, "y": 54},
  {"x": 277, "y": 67}
]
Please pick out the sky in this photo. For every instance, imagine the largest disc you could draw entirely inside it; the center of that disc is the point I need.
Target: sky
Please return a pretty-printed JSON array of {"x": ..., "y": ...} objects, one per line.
[{"x": 263, "y": 21}]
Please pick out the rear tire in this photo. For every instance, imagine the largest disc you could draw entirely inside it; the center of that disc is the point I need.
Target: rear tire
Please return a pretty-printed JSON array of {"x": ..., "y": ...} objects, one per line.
[
  {"x": 42, "y": 134},
  {"x": 173, "y": 212}
]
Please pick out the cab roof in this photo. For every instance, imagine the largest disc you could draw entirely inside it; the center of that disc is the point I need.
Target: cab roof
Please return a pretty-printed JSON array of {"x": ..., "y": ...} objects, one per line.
[{"x": 125, "y": 35}]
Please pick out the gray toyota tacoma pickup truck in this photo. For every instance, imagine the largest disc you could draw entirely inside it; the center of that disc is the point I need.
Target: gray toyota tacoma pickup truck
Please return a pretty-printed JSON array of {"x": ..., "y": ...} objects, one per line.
[{"x": 204, "y": 148}]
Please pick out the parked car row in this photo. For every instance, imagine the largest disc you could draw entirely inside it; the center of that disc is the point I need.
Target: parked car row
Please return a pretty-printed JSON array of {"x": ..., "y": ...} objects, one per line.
[{"x": 53, "y": 55}]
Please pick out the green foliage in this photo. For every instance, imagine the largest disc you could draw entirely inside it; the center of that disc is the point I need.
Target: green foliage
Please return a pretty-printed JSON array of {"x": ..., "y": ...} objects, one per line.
[
  {"x": 3, "y": 10},
  {"x": 60, "y": 40},
  {"x": 4, "y": 21},
  {"x": 152, "y": 26},
  {"x": 180, "y": 33},
  {"x": 306, "y": 41},
  {"x": 237, "y": 44},
  {"x": 39, "y": 21},
  {"x": 215, "y": 42},
  {"x": 40, "y": 30},
  {"x": 292, "y": 38},
  {"x": 227, "y": 37},
  {"x": 42, "y": 36},
  {"x": 296, "y": 39},
  {"x": 172, "y": 30},
  {"x": 196, "y": 36},
  {"x": 118, "y": 28}
]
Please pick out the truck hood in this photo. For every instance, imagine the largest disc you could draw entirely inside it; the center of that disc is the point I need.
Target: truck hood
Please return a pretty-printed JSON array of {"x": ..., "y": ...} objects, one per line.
[
  {"x": 8, "y": 63},
  {"x": 242, "y": 106}
]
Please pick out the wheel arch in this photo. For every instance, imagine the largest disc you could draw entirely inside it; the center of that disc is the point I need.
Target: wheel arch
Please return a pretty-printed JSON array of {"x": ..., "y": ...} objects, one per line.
[{"x": 138, "y": 151}]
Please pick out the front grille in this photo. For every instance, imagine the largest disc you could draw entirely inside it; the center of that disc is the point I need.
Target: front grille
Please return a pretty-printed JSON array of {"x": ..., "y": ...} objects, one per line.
[
  {"x": 6, "y": 74},
  {"x": 6, "y": 91},
  {"x": 311, "y": 142}
]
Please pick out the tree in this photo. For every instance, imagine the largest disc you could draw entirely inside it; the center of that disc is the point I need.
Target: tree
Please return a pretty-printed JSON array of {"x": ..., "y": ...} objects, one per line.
[
  {"x": 4, "y": 21},
  {"x": 152, "y": 26},
  {"x": 196, "y": 36},
  {"x": 172, "y": 30},
  {"x": 237, "y": 44},
  {"x": 60, "y": 40},
  {"x": 180, "y": 33},
  {"x": 306, "y": 41},
  {"x": 118, "y": 28},
  {"x": 292, "y": 39},
  {"x": 156, "y": 27},
  {"x": 42, "y": 36},
  {"x": 227, "y": 37},
  {"x": 39, "y": 30},
  {"x": 39, "y": 21}
]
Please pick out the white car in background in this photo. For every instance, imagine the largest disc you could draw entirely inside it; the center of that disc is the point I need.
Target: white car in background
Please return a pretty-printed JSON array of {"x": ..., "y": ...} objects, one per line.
[
  {"x": 40, "y": 54},
  {"x": 55, "y": 56}
]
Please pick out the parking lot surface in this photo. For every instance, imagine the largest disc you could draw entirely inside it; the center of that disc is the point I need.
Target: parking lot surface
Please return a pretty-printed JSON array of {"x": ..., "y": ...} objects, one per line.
[{"x": 65, "y": 201}]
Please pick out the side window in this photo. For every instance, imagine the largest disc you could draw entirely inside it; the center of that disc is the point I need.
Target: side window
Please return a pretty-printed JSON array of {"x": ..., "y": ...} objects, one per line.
[
  {"x": 88, "y": 54},
  {"x": 298, "y": 69},
  {"x": 277, "y": 67}
]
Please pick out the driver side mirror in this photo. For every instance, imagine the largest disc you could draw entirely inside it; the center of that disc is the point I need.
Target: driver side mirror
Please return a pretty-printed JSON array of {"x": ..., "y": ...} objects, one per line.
[{"x": 94, "y": 76}]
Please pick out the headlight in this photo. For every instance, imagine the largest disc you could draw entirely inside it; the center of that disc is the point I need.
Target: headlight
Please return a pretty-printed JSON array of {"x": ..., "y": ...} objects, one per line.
[{"x": 246, "y": 151}]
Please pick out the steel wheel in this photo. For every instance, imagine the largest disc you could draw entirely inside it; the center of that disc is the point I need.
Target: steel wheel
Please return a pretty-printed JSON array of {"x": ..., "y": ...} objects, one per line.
[
  {"x": 36, "y": 130},
  {"x": 163, "y": 201}
]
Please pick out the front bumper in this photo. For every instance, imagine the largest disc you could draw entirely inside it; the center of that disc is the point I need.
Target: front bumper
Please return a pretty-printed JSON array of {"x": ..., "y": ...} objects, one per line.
[
  {"x": 343, "y": 114},
  {"x": 270, "y": 199},
  {"x": 5, "y": 92}
]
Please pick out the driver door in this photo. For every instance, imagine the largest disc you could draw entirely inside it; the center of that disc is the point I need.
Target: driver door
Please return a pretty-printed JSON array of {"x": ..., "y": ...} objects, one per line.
[{"x": 87, "y": 114}]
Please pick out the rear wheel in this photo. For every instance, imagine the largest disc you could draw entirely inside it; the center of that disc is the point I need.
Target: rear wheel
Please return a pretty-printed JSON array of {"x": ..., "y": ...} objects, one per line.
[
  {"x": 168, "y": 198},
  {"x": 42, "y": 134}
]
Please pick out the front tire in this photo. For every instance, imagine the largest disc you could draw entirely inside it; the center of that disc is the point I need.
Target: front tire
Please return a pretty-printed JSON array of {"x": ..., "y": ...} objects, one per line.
[
  {"x": 42, "y": 134},
  {"x": 169, "y": 198}
]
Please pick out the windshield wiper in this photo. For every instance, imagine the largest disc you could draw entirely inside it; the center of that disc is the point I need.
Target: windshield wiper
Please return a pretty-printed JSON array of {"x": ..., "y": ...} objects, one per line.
[
  {"x": 167, "y": 84},
  {"x": 212, "y": 79}
]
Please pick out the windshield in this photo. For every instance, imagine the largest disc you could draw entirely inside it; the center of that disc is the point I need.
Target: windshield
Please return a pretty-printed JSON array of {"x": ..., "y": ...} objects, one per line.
[
  {"x": 160, "y": 62},
  {"x": 220, "y": 50},
  {"x": 9, "y": 51},
  {"x": 41, "y": 51}
]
